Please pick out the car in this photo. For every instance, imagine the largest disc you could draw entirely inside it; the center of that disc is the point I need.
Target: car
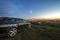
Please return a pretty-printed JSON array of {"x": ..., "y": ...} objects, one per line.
[{"x": 10, "y": 26}]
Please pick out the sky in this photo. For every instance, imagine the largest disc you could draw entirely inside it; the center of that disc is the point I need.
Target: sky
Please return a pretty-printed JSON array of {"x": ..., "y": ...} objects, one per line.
[{"x": 30, "y": 9}]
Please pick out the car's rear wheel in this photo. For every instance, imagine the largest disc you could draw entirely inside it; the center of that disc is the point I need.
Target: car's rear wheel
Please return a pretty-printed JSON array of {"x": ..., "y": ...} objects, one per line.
[{"x": 12, "y": 32}]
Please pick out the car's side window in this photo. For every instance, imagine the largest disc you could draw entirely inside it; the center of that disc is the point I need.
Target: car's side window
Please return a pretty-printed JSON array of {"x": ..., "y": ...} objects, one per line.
[
  {"x": 20, "y": 21},
  {"x": 10, "y": 20},
  {"x": 17, "y": 20},
  {"x": 25, "y": 21}
]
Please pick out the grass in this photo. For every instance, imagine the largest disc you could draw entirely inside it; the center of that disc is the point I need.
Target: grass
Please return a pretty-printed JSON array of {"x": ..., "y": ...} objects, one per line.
[{"x": 38, "y": 32}]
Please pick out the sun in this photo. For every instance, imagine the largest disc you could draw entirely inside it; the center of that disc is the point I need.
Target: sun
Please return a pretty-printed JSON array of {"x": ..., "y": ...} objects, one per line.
[{"x": 52, "y": 15}]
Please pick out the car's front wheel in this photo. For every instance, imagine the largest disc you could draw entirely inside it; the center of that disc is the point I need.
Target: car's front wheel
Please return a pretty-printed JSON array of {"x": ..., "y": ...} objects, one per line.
[{"x": 12, "y": 32}]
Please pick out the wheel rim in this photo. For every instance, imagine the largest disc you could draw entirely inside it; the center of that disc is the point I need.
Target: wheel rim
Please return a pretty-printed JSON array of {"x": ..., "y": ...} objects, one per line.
[{"x": 13, "y": 32}]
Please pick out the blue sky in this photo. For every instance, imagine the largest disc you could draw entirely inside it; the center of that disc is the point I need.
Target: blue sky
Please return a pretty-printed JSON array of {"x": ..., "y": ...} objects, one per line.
[{"x": 28, "y": 9}]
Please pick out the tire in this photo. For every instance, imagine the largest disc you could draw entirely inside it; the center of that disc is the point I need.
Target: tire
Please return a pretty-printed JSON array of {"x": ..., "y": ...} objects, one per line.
[{"x": 12, "y": 32}]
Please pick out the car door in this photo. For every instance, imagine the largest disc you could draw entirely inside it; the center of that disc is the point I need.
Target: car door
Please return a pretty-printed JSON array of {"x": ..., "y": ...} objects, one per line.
[
  {"x": 20, "y": 23},
  {"x": 26, "y": 23}
]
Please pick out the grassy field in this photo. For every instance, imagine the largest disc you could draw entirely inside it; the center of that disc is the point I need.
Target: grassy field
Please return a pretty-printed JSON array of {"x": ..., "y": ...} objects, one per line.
[{"x": 38, "y": 32}]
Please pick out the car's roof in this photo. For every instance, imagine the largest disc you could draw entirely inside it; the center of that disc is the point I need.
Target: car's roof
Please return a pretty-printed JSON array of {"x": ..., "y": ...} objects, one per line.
[{"x": 11, "y": 17}]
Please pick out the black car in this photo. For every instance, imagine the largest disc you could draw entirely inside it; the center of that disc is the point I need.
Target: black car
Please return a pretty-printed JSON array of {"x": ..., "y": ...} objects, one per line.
[{"x": 10, "y": 26}]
